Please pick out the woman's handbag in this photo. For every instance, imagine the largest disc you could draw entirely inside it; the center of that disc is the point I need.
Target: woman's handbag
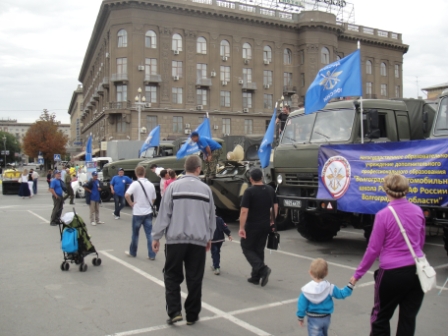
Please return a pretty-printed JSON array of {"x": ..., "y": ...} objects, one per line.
[
  {"x": 425, "y": 272},
  {"x": 273, "y": 236}
]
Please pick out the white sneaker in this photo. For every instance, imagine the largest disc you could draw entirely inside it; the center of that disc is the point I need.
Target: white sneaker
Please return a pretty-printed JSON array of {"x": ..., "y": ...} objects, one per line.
[
  {"x": 100, "y": 222},
  {"x": 117, "y": 217},
  {"x": 128, "y": 254},
  {"x": 93, "y": 223}
]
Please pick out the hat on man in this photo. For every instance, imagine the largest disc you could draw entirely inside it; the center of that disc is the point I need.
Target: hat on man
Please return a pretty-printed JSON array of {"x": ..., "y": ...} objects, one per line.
[
  {"x": 94, "y": 174},
  {"x": 256, "y": 174},
  {"x": 194, "y": 134},
  {"x": 121, "y": 169},
  {"x": 57, "y": 172}
]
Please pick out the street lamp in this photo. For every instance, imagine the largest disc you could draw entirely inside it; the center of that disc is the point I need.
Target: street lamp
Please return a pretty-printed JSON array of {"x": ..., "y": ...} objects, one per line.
[
  {"x": 139, "y": 101},
  {"x": 4, "y": 145}
]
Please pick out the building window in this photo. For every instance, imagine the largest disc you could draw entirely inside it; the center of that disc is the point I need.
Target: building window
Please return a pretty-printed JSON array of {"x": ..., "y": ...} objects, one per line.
[
  {"x": 287, "y": 78},
  {"x": 267, "y": 53},
  {"x": 201, "y": 45},
  {"x": 369, "y": 88},
  {"x": 122, "y": 65},
  {"x": 176, "y": 68},
  {"x": 302, "y": 57},
  {"x": 150, "y": 66},
  {"x": 225, "y": 73},
  {"x": 151, "y": 93},
  {"x": 177, "y": 42},
  {"x": 151, "y": 122},
  {"x": 122, "y": 36},
  {"x": 247, "y": 75},
  {"x": 267, "y": 99},
  {"x": 122, "y": 93},
  {"x": 225, "y": 99},
  {"x": 201, "y": 97},
  {"x": 384, "y": 90},
  {"x": 383, "y": 69},
  {"x": 224, "y": 49},
  {"x": 397, "y": 91},
  {"x": 287, "y": 56},
  {"x": 150, "y": 39},
  {"x": 226, "y": 126},
  {"x": 248, "y": 124},
  {"x": 247, "y": 51},
  {"x": 302, "y": 79},
  {"x": 178, "y": 124},
  {"x": 201, "y": 70},
  {"x": 397, "y": 71},
  {"x": 247, "y": 99},
  {"x": 267, "y": 77},
  {"x": 177, "y": 95},
  {"x": 368, "y": 67},
  {"x": 121, "y": 124},
  {"x": 324, "y": 56}
]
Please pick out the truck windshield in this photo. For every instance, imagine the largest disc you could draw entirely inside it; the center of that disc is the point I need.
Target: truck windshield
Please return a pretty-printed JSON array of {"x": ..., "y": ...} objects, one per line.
[
  {"x": 441, "y": 127},
  {"x": 326, "y": 126}
]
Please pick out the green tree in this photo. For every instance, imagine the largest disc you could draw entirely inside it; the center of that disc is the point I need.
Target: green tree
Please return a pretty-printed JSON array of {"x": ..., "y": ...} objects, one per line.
[{"x": 12, "y": 145}]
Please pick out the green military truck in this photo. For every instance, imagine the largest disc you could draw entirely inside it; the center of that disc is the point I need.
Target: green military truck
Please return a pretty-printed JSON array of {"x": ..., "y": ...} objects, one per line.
[{"x": 296, "y": 158}]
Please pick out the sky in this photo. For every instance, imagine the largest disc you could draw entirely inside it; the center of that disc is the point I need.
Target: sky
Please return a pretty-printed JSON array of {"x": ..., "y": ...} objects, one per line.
[{"x": 42, "y": 46}]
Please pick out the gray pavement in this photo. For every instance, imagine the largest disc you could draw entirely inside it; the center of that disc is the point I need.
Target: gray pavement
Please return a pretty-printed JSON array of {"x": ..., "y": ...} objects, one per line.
[{"x": 125, "y": 296}]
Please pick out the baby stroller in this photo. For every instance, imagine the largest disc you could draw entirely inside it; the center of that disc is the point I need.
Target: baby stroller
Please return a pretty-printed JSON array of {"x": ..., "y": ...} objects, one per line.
[{"x": 75, "y": 242}]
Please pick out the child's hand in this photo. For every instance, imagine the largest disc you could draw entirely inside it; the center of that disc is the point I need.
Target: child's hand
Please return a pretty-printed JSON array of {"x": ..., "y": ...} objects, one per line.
[
  {"x": 301, "y": 323},
  {"x": 230, "y": 238}
]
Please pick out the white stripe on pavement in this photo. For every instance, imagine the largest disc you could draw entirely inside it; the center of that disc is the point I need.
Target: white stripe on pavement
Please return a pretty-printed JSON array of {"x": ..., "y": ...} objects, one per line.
[{"x": 35, "y": 214}]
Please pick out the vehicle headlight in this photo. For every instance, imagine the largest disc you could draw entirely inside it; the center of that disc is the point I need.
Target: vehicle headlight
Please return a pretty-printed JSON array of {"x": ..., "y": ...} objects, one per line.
[{"x": 279, "y": 179}]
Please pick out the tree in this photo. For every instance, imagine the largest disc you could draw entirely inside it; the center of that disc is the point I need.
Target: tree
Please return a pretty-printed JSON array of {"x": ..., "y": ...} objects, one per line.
[
  {"x": 12, "y": 145},
  {"x": 45, "y": 137}
]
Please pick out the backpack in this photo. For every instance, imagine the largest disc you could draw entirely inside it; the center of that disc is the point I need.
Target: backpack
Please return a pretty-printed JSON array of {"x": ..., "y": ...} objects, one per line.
[{"x": 69, "y": 241}]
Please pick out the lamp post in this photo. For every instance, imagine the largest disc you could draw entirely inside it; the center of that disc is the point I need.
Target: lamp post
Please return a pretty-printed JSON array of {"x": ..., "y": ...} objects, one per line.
[
  {"x": 139, "y": 101},
  {"x": 4, "y": 145}
]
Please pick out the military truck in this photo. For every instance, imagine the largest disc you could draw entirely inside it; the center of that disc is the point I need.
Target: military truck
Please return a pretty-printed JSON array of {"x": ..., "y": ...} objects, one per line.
[{"x": 296, "y": 157}]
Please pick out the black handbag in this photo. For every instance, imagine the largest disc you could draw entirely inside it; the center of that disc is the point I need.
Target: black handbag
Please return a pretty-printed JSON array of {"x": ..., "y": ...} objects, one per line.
[
  {"x": 273, "y": 236},
  {"x": 154, "y": 209}
]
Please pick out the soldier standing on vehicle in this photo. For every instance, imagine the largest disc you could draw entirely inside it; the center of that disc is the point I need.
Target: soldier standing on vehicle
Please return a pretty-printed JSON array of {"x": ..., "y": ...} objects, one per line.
[
  {"x": 211, "y": 151},
  {"x": 282, "y": 117}
]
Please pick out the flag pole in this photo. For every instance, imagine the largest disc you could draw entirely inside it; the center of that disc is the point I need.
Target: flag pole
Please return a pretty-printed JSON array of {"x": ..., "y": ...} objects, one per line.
[{"x": 361, "y": 108}]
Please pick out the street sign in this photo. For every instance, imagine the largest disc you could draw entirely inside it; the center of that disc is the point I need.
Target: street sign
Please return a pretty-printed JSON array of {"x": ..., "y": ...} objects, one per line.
[
  {"x": 40, "y": 161},
  {"x": 77, "y": 143},
  {"x": 57, "y": 157},
  {"x": 3, "y": 152}
]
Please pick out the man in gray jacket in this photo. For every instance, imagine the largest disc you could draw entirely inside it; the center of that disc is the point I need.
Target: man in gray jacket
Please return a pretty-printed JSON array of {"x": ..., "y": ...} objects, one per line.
[{"x": 187, "y": 218}]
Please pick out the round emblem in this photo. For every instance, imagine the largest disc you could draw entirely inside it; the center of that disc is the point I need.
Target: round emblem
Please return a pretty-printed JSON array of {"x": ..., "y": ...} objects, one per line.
[{"x": 336, "y": 176}]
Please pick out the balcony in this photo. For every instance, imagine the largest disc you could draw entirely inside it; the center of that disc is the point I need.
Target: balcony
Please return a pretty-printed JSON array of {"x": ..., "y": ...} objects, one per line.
[
  {"x": 119, "y": 77},
  {"x": 249, "y": 86},
  {"x": 120, "y": 105},
  {"x": 203, "y": 82},
  {"x": 105, "y": 82},
  {"x": 152, "y": 79},
  {"x": 289, "y": 89},
  {"x": 100, "y": 89},
  {"x": 96, "y": 96}
]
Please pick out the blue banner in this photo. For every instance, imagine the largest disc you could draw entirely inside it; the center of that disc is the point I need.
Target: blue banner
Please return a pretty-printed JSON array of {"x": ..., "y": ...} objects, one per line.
[
  {"x": 153, "y": 140},
  {"x": 264, "y": 152},
  {"x": 89, "y": 150},
  {"x": 190, "y": 147},
  {"x": 339, "y": 79},
  {"x": 353, "y": 174}
]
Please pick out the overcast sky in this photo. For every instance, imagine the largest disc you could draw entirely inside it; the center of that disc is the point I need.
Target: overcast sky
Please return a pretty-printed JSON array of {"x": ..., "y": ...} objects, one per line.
[{"x": 42, "y": 46}]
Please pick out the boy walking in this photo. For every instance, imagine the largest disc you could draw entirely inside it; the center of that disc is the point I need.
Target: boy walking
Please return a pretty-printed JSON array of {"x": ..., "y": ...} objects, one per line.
[
  {"x": 316, "y": 299},
  {"x": 218, "y": 239}
]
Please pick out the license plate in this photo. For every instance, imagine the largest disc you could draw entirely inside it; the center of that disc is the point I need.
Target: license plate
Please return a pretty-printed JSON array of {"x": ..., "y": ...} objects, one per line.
[{"x": 292, "y": 203}]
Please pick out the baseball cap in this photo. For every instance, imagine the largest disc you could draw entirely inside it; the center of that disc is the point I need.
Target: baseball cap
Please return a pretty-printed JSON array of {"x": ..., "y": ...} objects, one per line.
[
  {"x": 94, "y": 174},
  {"x": 256, "y": 174},
  {"x": 194, "y": 134},
  {"x": 57, "y": 172},
  {"x": 120, "y": 169}
]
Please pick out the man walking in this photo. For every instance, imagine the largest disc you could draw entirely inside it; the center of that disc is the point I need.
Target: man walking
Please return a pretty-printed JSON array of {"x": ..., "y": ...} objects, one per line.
[
  {"x": 255, "y": 223},
  {"x": 144, "y": 196},
  {"x": 58, "y": 201},
  {"x": 35, "y": 176},
  {"x": 68, "y": 185},
  {"x": 118, "y": 187},
  {"x": 188, "y": 237},
  {"x": 211, "y": 151},
  {"x": 93, "y": 187}
]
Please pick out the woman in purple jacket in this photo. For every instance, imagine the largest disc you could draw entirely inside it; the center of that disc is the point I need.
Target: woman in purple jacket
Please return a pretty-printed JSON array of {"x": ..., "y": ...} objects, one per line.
[{"x": 396, "y": 281}]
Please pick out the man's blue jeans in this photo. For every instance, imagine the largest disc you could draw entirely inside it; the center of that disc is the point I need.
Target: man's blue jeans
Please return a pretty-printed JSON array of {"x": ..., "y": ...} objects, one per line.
[
  {"x": 137, "y": 222},
  {"x": 35, "y": 187},
  {"x": 119, "y": 204},
  {"x": 318, "y": 326}
]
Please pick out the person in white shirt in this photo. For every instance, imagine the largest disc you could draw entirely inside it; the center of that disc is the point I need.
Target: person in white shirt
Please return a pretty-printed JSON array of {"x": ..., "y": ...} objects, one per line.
[
  {"x": 144, "y": 195},
  {"x": 155, "y": 169},
  {"x": 35, "y": 176}
]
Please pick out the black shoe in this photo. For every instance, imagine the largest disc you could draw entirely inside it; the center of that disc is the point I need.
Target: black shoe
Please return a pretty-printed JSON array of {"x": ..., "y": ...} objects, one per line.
[
  {"x": 54, "y": 224},
  {"x": 254, "y": 281},
  {"x": 265, "y": 276},
  {"x": 176, "y": 318}
]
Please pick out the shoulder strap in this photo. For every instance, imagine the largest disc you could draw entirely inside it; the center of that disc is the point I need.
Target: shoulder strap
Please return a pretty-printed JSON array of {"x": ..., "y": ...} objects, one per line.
[
  {"x": 150, "y": 203},
  {"x": 403, "y": 232}
]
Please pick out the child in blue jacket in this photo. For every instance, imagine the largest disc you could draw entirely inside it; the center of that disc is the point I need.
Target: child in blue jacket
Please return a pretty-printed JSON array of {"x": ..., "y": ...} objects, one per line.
[
  {"x": 316, "y": 299},
  {"x": 218, "y": 239}
]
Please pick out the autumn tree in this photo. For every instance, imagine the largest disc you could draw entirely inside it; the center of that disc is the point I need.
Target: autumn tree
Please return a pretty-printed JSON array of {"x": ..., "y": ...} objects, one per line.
[
  {"x": 11, "y": 144},
  {"x": 45, "y": 137}
]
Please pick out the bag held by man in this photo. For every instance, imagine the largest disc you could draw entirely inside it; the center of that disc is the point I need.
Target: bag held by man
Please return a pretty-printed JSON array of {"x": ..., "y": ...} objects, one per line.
[
  {"x": 425, "y": 272},
  {"x": 153, "y": 207},
  {"x": 69, "y": 241},
  {"x": 273, "y": 236}
]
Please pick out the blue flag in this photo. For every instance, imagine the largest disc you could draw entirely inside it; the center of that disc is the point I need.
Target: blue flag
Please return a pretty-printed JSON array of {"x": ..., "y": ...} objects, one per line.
[
  {"x": 339, "y": 79},
  {"x": 89, "y": 150},
  {"x": 264, "y": 152},
  {"x": 153, "y": 140},
  {"x": 190, "y": 147}
]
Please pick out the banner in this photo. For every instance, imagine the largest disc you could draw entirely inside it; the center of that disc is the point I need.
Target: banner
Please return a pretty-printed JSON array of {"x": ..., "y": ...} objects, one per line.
[
  {"x": 353, "y": 174},
  {"x": 264, "y": 152},
  {"x": 190, "y": 147},
  {"x": 153, "y": 140},
  {"x": 89, "y": 149}
]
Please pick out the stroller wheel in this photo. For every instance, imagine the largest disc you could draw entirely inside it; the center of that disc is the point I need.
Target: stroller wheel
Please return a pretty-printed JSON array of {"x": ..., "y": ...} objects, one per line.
[
  {"x": 78, "y": 261},
  {"x": 96, "y": 261},
  {"x": 83, "y": 267},
  {"x": 65, "y": 266}
]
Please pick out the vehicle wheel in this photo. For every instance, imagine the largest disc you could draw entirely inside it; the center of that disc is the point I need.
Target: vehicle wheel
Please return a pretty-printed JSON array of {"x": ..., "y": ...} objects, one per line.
[
  {"x": 77, "y": 194},
  {"x": 319, "y": 228},
  {"x": 283, "y": 220},
  {"x": 96, "y": 261},
  {"x": 367, "y": 232},
  {"x": 83, "y": 267},
  {"x": 65, "y": 266},
  {"x": 105, "y": 195},
  {"x": 62, "y": 266}
]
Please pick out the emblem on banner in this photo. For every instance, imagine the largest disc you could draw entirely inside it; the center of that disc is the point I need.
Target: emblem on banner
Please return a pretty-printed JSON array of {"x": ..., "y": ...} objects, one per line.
[{"x": 336, "y": 176}]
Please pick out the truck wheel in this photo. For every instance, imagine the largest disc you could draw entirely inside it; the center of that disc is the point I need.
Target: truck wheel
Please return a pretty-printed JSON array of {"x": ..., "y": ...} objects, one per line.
[
  {"x": 316, "y": 227},
  {"x": 283, "y": 220},
  {"x": 105, "y": 195},
  {"x": 367, "y": 232},
  {"x": 445, "y": 238}
]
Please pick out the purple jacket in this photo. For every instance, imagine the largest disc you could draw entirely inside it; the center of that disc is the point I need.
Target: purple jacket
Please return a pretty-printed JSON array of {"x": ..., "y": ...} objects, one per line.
[{"x": 387, "y": 242}]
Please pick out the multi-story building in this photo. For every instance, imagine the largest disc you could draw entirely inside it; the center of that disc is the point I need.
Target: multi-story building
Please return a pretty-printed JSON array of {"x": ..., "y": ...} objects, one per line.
[
  {"x": 434, "y": 91},
  {"x": 230, "y": 59},
  {"x": 75, "y": 110}
]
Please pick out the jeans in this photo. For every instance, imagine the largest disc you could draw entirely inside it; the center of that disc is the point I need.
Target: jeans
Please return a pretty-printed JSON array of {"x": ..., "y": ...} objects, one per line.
[
  {"x": 216, "y": 254},
  {"x": 137, "y": 222},
  {"x": 119, "y": 204},
  {"x": 58, "y": 205},
  {"x": 318, "y": 326},
  {"x": 35, "y": 187}
]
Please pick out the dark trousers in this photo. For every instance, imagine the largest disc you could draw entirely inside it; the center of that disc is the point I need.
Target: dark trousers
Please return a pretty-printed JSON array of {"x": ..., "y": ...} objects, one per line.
[
  {"x": 216, "y": 254},
  {"x": 58, "y": 205},
  {"x": 35, "y": 186},
  {"x": 396, "y": 287},
  {"x": 119, "y": 204},
  {"x": 253, "y": 249},
  {"x": 70, "y": 193},
  {"x": 193, "y": 256}
]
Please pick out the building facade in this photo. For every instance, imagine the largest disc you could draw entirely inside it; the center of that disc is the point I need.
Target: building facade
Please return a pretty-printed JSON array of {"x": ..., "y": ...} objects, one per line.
[
  {"x": 433, "y": 92},
  {"x": 75, "y": 110},
  {"x": 231, "y": 60}
]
